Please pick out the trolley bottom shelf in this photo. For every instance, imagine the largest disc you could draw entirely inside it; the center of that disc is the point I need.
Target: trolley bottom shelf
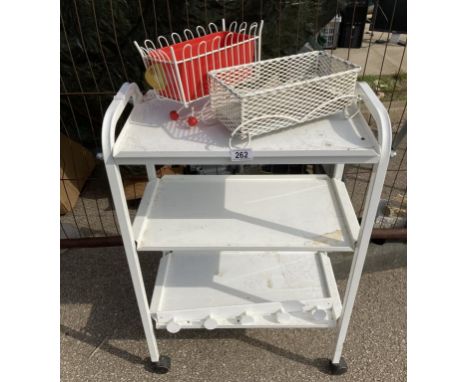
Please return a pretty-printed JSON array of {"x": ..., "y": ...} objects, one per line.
[{"x": 245, "y": 290}]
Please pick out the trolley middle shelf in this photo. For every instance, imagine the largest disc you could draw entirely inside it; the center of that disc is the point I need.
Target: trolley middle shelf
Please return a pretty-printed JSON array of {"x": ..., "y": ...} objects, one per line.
[{"x": 246, "y": 213}]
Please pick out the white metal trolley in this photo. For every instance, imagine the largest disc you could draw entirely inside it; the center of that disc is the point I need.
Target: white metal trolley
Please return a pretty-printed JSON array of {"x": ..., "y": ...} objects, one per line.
[{"x": 244, "y": 251}]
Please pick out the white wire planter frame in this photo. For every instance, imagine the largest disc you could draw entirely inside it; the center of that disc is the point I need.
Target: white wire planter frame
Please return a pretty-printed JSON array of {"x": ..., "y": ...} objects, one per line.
[
  {"x": 177, "y": 66},
  {"x": 261, "y": 97}
]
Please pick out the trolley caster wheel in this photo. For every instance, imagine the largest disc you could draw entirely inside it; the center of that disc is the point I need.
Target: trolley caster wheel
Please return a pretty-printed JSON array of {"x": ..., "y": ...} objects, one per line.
[
  {"x": 378, "y": 241},
  {"x": 162, "y": 366},
  {"x": 338, "y": 368}
]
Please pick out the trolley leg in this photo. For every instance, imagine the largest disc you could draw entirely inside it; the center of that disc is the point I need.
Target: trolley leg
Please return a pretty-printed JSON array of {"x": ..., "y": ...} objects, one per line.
[
  {"x": 334, "y": 170},
  {"x": 151, "y": 171},
  {"x": 338, "y": 365},
  {"x": 159, "y": 363},
  {"x": 338, "y": 170}
]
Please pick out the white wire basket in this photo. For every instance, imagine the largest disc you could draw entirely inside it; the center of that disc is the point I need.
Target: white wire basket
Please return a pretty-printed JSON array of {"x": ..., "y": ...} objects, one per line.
[
  {"x": 261, "y": 97},
  {"x": 177, "y": 66}
]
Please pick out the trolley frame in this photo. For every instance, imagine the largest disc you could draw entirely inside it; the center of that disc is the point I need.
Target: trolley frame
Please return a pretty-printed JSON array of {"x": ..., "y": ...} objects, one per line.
[{"x": 131, "y": 93}]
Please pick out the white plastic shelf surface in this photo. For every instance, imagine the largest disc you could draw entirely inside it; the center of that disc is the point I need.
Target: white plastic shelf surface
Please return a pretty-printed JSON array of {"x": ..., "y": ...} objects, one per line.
[
  {"x": 149, "y": 134},
  {"x": 246, "y": 212}
]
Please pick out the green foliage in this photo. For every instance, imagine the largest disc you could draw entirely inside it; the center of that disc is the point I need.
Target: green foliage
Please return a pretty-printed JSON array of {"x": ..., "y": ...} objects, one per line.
[{"x": 387, "y": 85}]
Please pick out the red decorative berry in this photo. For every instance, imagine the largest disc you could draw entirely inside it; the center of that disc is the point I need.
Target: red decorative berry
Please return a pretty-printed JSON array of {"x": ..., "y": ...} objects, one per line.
[
  {"x": 192, "y": 121},
  {"x": 174, "y": 115}
]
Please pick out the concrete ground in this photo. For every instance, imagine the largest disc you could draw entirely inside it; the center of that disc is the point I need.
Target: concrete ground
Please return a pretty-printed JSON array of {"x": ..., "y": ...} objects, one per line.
[
  {"x": 374, "y": 57},
  {"x": 102, "y": 337}
]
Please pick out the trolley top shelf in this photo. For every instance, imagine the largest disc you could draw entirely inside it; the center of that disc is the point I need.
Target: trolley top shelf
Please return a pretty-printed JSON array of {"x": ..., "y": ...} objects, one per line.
[{"x": 149, "y": 136}]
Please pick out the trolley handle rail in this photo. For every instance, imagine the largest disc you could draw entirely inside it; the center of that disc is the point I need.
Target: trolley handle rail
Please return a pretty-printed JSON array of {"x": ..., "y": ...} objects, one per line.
[
  {"x": 127, "y": 92},
  {"x": 380, "y": 115}
]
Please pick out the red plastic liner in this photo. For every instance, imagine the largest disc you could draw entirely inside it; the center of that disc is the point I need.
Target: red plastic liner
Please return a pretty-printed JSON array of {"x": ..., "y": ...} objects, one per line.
[{"x": 195, "y": 58}]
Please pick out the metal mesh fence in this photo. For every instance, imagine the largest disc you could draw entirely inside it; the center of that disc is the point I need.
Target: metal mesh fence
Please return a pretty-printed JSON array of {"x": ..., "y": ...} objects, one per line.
[{"x": 97, "y": 56}]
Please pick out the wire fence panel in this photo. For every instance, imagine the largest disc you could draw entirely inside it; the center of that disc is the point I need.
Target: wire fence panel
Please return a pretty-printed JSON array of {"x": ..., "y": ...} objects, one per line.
[{"x": 97, "y": 56}]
